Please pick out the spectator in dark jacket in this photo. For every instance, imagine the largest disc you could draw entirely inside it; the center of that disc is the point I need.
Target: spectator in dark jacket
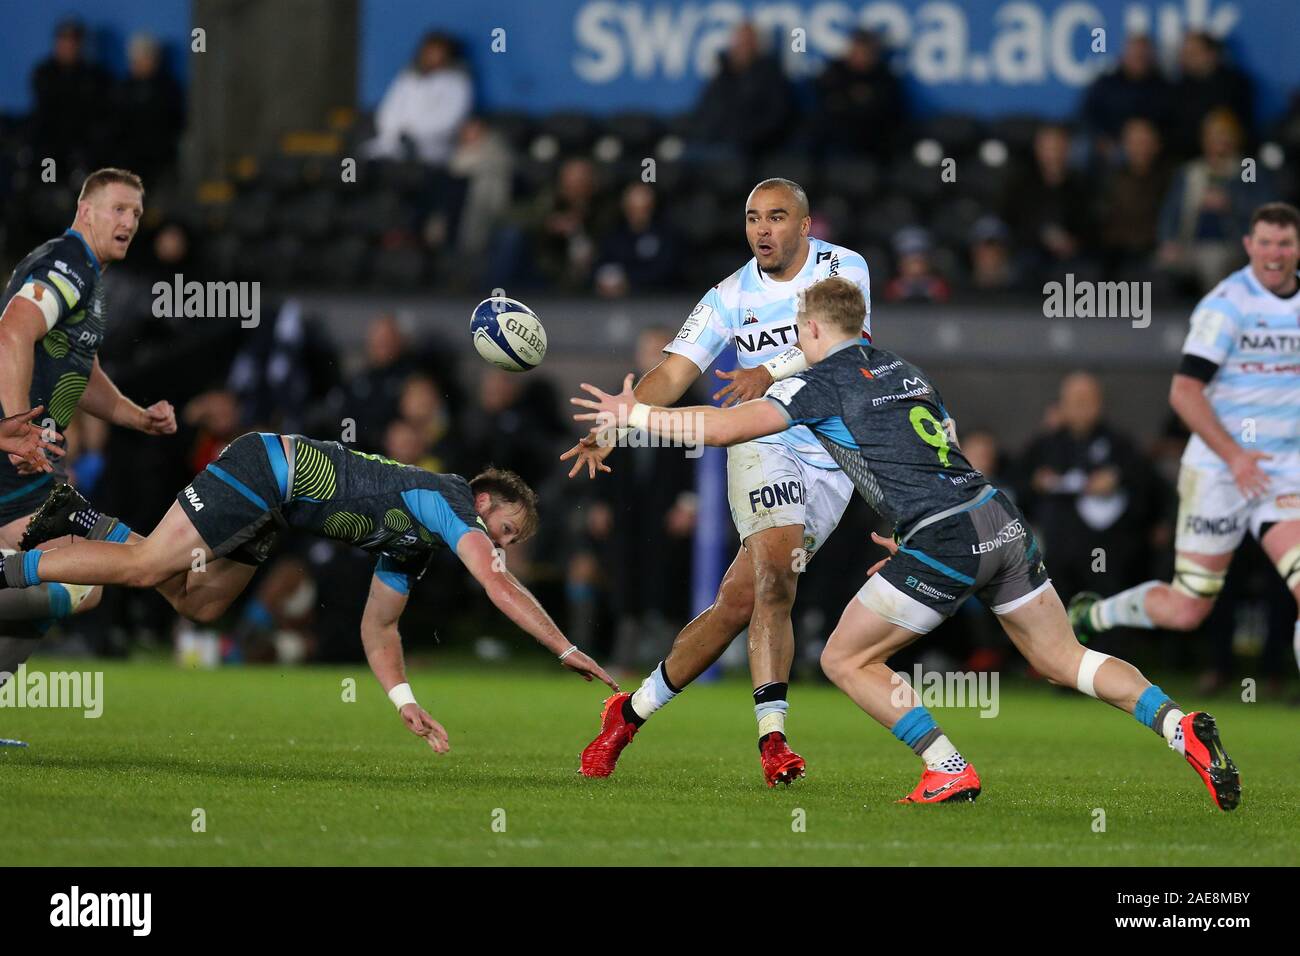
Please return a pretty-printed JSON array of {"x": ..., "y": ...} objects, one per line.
[
  {"x": 1206, "y": 83},
  {"x": 749, "y": 105},
  {"x": 1090, "y": 494},
  {"x": 1131, "y": 197},
  {"x": 148, "y": 111},
  {"x": 1136, "y": 88},
  {"x": 860, "y": 100},
  {"x": 1044, "y": 208},
  {"x": 641, "y": 252},
  {"x": 70, "y": 121}
]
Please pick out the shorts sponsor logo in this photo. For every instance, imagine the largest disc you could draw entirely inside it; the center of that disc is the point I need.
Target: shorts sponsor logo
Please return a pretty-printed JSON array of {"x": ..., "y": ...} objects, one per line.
[
  {"x": 916, "y": 584},
  {"x": 778, "y": 493},
  {"x": 1011, "y": 531},
  {"x": 192, "y": 497},
  {"x": 1198, "y": 524}
]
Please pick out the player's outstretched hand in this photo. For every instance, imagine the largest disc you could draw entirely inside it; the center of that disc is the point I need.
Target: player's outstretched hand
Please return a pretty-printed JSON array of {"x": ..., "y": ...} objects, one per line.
[
  {"x": 26, "y": 443},
  {"x": 590, "y": 453},
  {"x": 159, "y": 419},
  {"x": 419, "y": 722},
  {"x": 890, "y": 545},
  {"x": 580, "y": 663},
  {"x": 1250, "y": 478},
  {"x": 746, "y": 384},
  {"x": 607, "y": 411}
]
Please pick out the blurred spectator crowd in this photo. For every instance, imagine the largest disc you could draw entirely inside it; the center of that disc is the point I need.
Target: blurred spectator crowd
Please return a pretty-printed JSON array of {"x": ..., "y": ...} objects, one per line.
[{"x": 1144, "y": 181}]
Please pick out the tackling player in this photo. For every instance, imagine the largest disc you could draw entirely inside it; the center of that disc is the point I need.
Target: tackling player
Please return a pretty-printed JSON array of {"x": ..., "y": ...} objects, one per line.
[
  {"x": 1238, "y": 391},
  {"x": 262, "y": 483},
  {"x": 956, "y": 535},
  {"x": 786, "y": 493},
  {"x": 53, "y": 324}
]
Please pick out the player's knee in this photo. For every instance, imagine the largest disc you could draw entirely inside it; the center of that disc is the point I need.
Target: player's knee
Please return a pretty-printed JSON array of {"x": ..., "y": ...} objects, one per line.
[
  {"x": 1186, "y": 614},
  {"x": 734, "y": 604},
  {"x": 141, "y": 574},
  {"x": 91, "y": 600},
  {"x": 774, "y": 586}
]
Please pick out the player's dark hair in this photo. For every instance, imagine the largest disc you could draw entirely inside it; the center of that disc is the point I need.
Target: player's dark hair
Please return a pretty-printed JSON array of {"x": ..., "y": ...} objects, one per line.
[
  {"x": 777, "y": 182},
  {"x": 106, "y": 176},
  {"x": 1276, "y": 214},
  {"x": 837, "y": 301},
  {"x": 506, "y": 487}
]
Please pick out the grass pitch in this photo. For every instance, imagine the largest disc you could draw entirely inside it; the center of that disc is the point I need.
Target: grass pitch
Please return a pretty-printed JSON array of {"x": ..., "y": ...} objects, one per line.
[{"x": 286, "y": 772}]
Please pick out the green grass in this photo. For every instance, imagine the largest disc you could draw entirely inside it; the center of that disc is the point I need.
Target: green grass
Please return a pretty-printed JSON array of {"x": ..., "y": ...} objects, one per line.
[{"x": 287, "y": 773}]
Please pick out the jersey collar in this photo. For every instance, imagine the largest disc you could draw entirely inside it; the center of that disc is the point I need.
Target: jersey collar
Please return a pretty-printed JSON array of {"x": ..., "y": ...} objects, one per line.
[
  {"x": 82, "y": 239},
  {"x": 847, "y": 343}
]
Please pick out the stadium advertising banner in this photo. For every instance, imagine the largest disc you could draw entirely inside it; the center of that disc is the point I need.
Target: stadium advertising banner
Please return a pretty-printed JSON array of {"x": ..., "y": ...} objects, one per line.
[{"x": 984, "y": 57}]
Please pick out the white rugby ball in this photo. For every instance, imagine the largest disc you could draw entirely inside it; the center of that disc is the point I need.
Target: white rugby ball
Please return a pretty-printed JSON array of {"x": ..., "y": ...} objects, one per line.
[{"x": 508, "y": 334}]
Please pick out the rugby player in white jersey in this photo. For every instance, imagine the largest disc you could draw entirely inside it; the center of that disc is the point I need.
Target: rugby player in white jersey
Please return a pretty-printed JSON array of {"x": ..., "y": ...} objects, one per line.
[
  {"x": 1238, "y": 390},
  {"x": 786, "y": 493}
]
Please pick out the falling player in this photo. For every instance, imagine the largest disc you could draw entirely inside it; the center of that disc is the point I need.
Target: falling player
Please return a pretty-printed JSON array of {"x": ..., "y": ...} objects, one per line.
[
  {"x": 885, "y": 424},
  {"x": 786, "y": 493},
  {"x": 262, "y": 483},
  {"x": 1238, "y": 392}
]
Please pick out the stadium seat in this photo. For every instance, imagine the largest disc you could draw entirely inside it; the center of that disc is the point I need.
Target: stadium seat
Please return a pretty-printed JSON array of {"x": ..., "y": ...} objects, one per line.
[
  {"x": 884, "y": 218},
  {"x": 403, "y": 268},
  {"x": 951, "y": 224},
  {"x": 958, "y": 135},
  {"x": 1017, "y": 131},
  {"x": 516, "y": 128},
  {"x": 793, "y": 166},
  {"x": 574, "y": 131},
  {"x": 638, "y": 132},
  {"x": 250, "y": 213},
  {"x": 855, "y": 178}
]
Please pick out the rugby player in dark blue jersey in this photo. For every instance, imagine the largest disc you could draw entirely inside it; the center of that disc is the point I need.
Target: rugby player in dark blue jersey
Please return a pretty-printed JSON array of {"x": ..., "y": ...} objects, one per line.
[
  {"x": 955, "y": 535},
  {"x": 263, "y": 483},
  {"x": 52, "y": 326}
]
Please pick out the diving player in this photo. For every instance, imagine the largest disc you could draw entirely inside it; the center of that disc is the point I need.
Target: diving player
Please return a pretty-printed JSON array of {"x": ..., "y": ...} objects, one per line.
[
  {"x": 50, "y": 331},
  {"x": 885, "y": 424},
  {"x": 1238, "y": 391},
  {"x": 786, "y": 493},
  {"x": 262, "y": 483}
]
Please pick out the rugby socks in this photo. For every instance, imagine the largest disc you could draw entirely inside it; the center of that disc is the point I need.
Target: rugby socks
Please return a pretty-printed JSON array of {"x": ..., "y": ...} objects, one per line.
[
  {"x": 654, "y": 692},
  {"x": 918, "y": 730},
  {"x": 18, "y": 569},
  {"x": 1125, "y": 609},
  {"x": 770, "y": 708},
  {"x": 98, "y": 526},
  {"x": 43, "y": 604},
  {"x": 1157, "y": 711}
]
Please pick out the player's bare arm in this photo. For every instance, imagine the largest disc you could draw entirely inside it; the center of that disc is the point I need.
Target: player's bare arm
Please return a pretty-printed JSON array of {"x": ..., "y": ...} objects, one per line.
[
  {"x": 662, "y": 385},
  {"x": 1187, "y": 398},
  {"x": 698, "y": 424},
  {"x": 103, "y": 399},
  {"x": 383, "y": 645},
  {"x": 21, "y": 326},
  {"x": 517, "y": 603}
]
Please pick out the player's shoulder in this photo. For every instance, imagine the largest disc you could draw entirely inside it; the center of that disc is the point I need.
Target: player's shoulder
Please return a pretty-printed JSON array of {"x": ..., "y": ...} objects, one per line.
[
  {"x": 727, "y": 292},
  {"x": 1232, "y": 295},
  {"x": 832, "y": 260}
]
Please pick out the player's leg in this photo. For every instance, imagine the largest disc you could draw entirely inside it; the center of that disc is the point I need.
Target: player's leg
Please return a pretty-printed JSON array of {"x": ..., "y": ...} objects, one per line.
[
  {"x": 855, "y": 660},
  {"x": 1212, "y": 519},
  {"x": 696, "y": 648},
  {"x": 168, "y": 550},
  {"x": 204, "y": 592},
  {"x": 1281, "y": 543},
  {"x": 1041, "y": 631}
]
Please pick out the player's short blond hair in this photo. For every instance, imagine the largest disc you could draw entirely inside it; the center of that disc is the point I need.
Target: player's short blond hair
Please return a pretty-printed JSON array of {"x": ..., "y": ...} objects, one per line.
[
  {"x": 837, "y": 301},
  {"x": 107, "y": 176}
]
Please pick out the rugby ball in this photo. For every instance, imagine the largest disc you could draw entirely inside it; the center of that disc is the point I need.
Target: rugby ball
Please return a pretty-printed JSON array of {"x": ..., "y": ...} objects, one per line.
[{"x": 508, "y": 334}]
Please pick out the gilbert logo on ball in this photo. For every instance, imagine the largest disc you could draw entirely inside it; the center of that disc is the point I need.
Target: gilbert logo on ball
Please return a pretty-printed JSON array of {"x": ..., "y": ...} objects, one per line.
[{"x": 508, "y": 334}]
